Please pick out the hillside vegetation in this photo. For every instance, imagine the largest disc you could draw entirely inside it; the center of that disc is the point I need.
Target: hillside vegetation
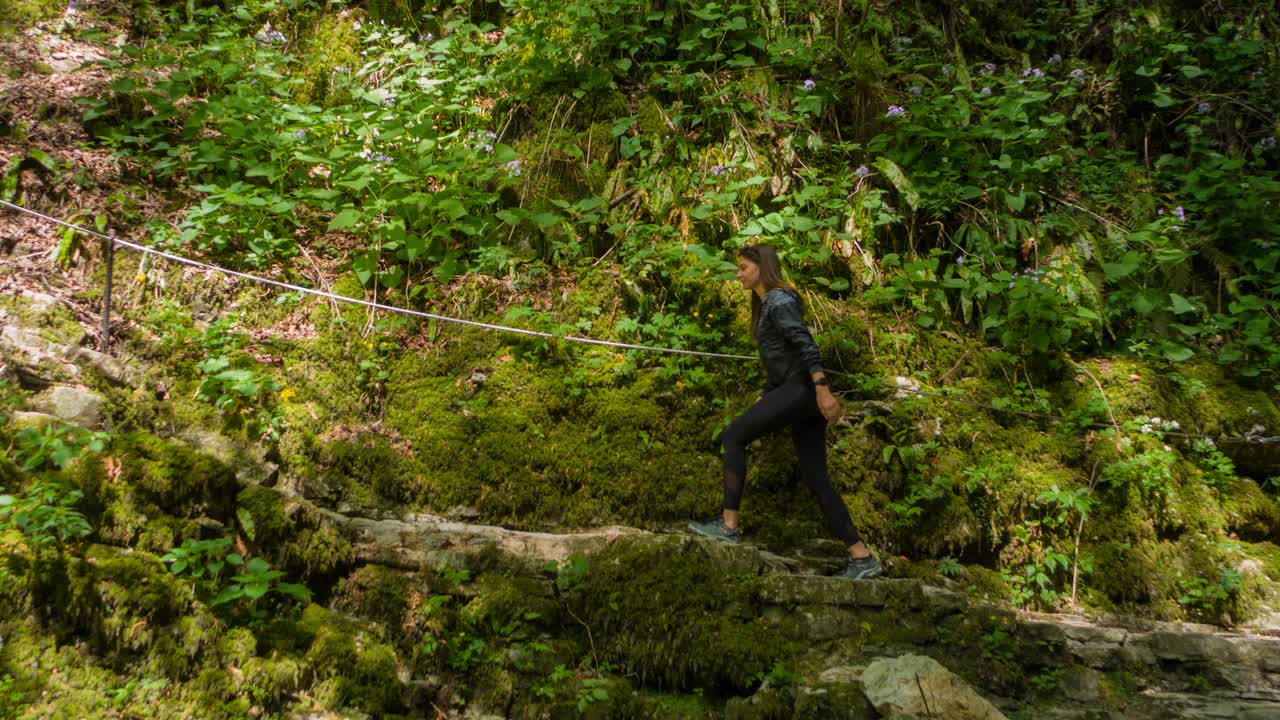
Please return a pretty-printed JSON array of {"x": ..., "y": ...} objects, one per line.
[{"x": 1037, "y": 241}]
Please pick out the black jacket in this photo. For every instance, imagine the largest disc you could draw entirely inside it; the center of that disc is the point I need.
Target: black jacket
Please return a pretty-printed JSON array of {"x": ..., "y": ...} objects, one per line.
[{"x": 786, "y": 346}]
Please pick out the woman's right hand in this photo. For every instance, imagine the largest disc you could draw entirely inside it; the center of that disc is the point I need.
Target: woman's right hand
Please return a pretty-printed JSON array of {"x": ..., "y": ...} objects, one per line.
[{"x": 828, "y": 405}]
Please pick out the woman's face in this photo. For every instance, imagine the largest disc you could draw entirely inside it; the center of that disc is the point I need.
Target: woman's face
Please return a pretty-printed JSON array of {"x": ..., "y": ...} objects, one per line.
[{"x": 748, "y": 273}]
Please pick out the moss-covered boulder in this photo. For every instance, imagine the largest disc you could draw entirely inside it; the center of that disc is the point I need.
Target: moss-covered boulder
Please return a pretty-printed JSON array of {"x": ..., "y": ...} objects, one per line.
[{"x": 673, "y": 616}]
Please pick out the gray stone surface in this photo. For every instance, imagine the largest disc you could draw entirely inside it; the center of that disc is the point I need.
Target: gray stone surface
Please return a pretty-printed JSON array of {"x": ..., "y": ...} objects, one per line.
[
  {"x": 836, "y": 695},
  {"x": 74, "y": 405},
  {"x": 921, "y": 686}
]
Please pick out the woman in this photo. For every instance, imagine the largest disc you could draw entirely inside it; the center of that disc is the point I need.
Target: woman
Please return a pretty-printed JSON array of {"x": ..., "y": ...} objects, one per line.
[{"x": 798, "y": 396}]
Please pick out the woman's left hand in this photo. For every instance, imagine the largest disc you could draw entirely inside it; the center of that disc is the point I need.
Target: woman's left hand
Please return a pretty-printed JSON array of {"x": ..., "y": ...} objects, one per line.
[{"x": 827, "y": 404}]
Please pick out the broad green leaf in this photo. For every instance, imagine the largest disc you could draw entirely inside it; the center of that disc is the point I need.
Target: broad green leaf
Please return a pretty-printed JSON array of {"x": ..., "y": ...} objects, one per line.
[
  {"x": 1180, "y": 305},
  {"x": 246, "y": 522},
  {"x": 899, "y": 180},
  {"x": 344, "y": 219}
]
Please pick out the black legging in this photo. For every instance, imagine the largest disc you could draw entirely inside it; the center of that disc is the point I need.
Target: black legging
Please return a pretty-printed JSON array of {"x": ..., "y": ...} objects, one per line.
[{"x": 791, "y": 404}]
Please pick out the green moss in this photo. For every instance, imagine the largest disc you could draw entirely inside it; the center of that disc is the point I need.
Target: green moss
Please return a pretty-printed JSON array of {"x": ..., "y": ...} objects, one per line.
[
  {"x": 333, "y": 49},
  {"x": 375, "y": 592},
  {"x": 53, "y": 322},
  {"x": 175, "y": 478},
  {"x": 354, "y": 670},
  {"x": 671, "y": 615},
  {"x": 292, "y": 532},
  {"x": 148, "y": 491},
  {"x": 1250, "y": 512},
  {"x": 765, "y": 704},
  {"x": 266, "y": 507}
]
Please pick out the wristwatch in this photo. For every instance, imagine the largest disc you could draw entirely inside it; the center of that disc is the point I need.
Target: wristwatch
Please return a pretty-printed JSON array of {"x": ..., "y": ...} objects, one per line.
[{"x": 821, "y": 381}]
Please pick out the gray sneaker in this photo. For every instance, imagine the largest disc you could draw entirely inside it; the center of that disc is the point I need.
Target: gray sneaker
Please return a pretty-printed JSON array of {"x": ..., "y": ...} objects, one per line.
[
  {"x": 863, "y": 568},
  {"x": 717, "y": 530}
]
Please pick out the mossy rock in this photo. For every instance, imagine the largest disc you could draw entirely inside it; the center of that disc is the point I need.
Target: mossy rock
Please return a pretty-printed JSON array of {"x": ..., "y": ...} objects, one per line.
[
  {"x": 51, "y": 318},
  {"x": 122, "y": 603},
  {"x": 376, "y": 592},
  {"x": 765, "y": 704},
  {"x": 293, "y": 532},
  {"x": 149, "y": 492},
  {"x": 672, "y": 615},
  {"x": 175, "y": 478}
]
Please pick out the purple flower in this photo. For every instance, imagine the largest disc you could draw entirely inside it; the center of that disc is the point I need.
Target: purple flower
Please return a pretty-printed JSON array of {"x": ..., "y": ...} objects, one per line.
[
  {"x": 516, "y": 167},
  {"x": 988, "y": 68},
  {"x": 1160, "y": 211},
  {"x": 895, "y": 111},
  {"x": 1204, "y": 108},
  {"x": 809, "y": 84},
  {"x": 430, "y": 37},
  {"x": 718, "y": 170},
  {"x": 1265, "y": 245},
  {"x": 72, "y": 5},
  {"x": 1077, "y": 74},
  {"x": 1182, "y": 214},
  {"x": 1033, "y": 72},
  {"x": 488, "y": 148},
  {"x": 947, "y": 70},
  {"x": 490, "y": 134},
  {"x": 300, "y": 134},
  {"x": 862, "y": 171},
  {"x": 915, "y": 90},
  {"x": 1055, "y": 59},
  {"x": 986, "y": 91},
  {"x": 960, "y": 260},
  {"x": 1267, "y": 143},
  {"x": 355, "y": 25}
]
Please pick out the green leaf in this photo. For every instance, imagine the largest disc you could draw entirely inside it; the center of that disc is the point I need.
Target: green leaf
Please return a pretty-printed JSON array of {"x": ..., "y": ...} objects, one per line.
[
  {"x": 1178, "y": 353},
  {"x": 899, "y": 180},
  {"x": 1192, "y": 71},
  {"x": 545, "y": 220},
  {"x": 451, "y": 208},
  {"x": 344, "y": 219},
  {"x": 1180, "y": 305},
  {"x": 246, "y": 522},
  {"x": 295, "y": 590},
  {"x": 364, "y": 267},
  {"x": 1124, "y": 268},
  {"x": 1229, "y": 354}
]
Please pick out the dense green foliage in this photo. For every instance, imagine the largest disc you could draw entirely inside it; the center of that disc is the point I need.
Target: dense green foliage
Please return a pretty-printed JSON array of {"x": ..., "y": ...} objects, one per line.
[
  {"x": 1050, "y": 209},
  {"x": 1122, "y": 194}
]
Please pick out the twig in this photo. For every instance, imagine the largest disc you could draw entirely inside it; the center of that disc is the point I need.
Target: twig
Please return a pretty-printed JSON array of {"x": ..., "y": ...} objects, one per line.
[
  {"x": 1105, "y": 401},
  {"x": 953, "y": 367},
  {"x": 595, "y": 661},
  {"x": 928, "y": 713},
  {"x": 1075, "y": 562}
]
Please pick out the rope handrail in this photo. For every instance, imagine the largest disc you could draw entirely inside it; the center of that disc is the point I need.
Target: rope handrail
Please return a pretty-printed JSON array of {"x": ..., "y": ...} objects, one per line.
[{"x": 1250, "y": 438}]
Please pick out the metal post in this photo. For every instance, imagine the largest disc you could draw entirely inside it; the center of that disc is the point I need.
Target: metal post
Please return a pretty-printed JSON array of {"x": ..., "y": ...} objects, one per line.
[{"x": 106, "y": 299}]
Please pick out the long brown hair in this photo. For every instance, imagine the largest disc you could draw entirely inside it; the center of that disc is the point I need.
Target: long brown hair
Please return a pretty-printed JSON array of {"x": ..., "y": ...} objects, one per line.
[{"x": 766, "y": 258}]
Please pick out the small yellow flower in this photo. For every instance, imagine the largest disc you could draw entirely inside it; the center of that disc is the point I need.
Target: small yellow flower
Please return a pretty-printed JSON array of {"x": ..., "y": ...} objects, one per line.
[
  {"x": 286, "y": 393},
  {"x": 142, "y": 277}
]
